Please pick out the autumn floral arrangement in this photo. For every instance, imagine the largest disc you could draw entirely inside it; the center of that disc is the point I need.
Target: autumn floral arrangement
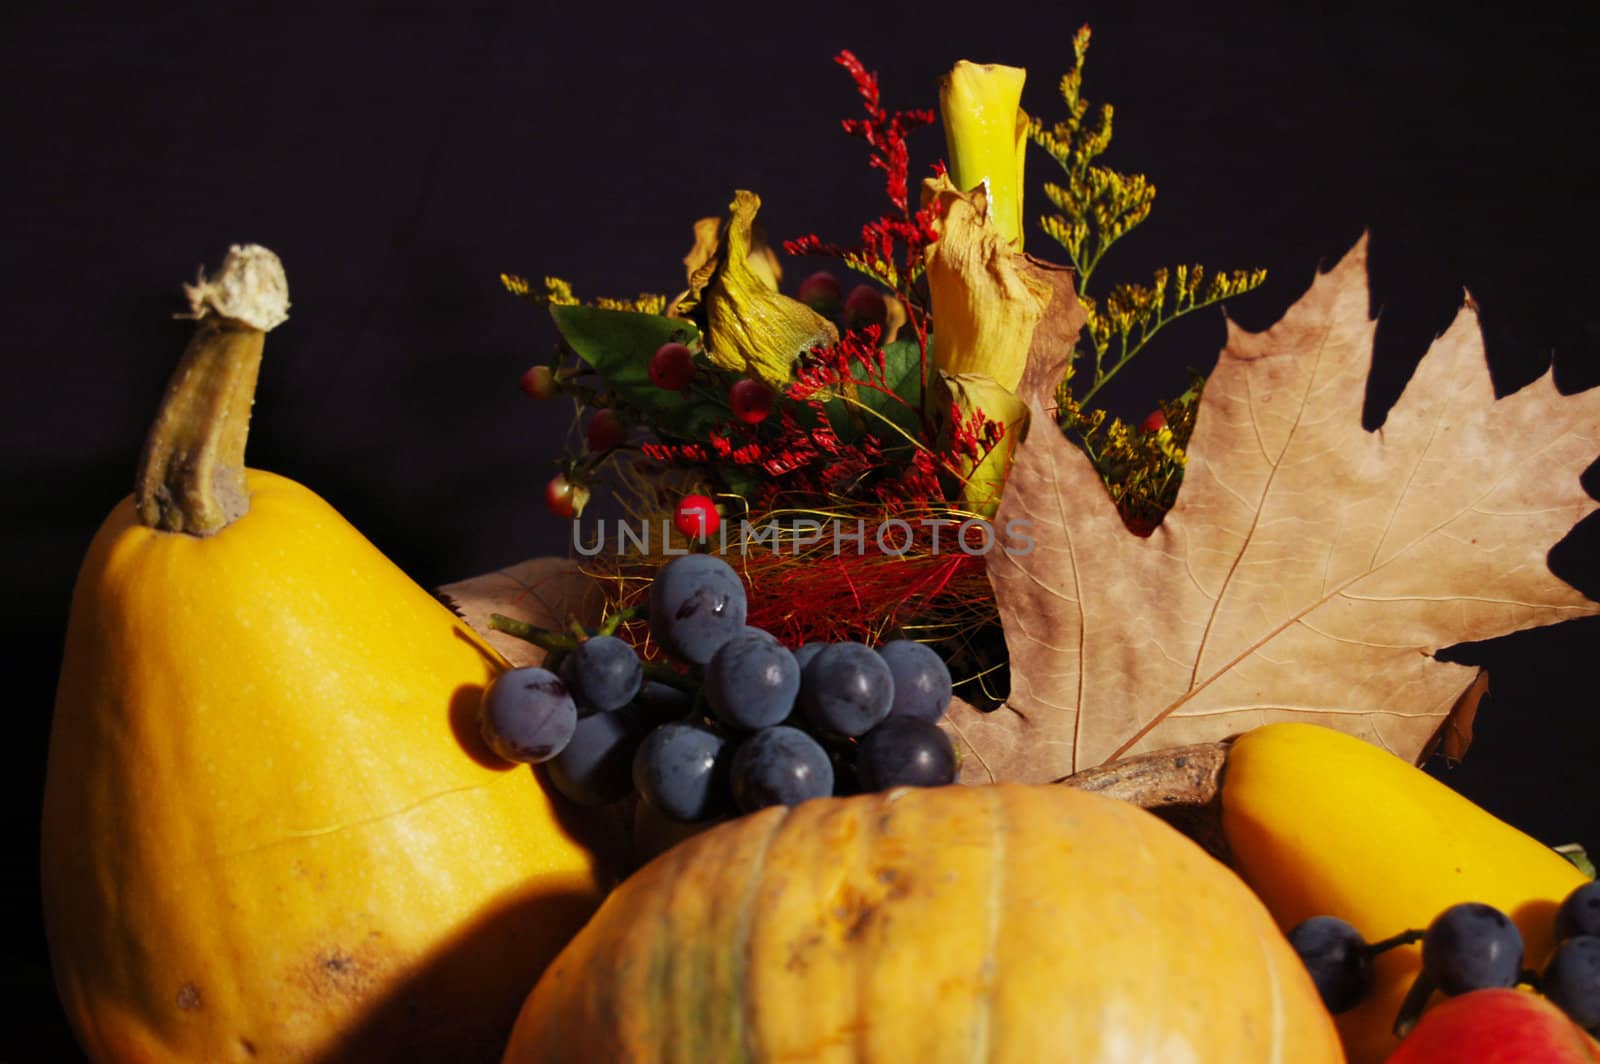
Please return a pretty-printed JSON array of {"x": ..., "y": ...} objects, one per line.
[
  {"x": 851, "y": 446},
  {"x": 921, "y": 456}
]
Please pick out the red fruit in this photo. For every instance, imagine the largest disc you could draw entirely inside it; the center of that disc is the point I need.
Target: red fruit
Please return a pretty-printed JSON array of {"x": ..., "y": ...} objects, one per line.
[
  {"x": 564, "y": 498},
  {"x": 606, "y": 430},
  {"x": 672, "y": 367},
  {"x": 696, "y": 516},
  {"x": 750, "y": 399},
  {"x": 539, "y": 382},
  {"x": 821, "y": 292},
  {"x": 865, "y": 307},
  {"x": 1154, "y": 421},
  {"x": 1140, "y": 525},
  {"x": 1498, "y": 1026}
]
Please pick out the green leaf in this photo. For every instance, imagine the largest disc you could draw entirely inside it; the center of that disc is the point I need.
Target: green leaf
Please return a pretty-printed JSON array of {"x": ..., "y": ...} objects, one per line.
[
  {"x": 618, "y": 344},
  {"x": 743, "y": 481},
  {"x": 902, "y": 374}
]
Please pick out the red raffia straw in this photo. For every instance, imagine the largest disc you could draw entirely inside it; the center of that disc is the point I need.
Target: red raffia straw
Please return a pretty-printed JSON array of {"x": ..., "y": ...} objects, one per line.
[
  {"x": 860, "y": 597},
  {"x": 822, "y": 596}
]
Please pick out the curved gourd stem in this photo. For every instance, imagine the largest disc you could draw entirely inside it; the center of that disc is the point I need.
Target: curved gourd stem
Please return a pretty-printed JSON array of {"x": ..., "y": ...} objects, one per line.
[
  {"x": 191, "y": 475},
  {"x": 1181, "y": 785}
]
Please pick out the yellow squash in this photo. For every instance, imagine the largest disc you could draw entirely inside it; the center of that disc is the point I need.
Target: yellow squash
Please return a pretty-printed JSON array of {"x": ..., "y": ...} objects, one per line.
[
  {"x": 1003, "y": 924},
  {"x": 1321, "y": 823},
  {"x": 271, "y": 831}
]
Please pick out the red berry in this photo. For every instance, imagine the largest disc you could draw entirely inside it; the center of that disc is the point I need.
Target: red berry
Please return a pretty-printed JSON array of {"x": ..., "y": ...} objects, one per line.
[
  {"x": 1143, "y": 526},
  {"x": 750, "y": 399},
  {"x": 865, "y": 307},
  {"x": 1154, "y": 421},
  {"x": 821, "y": 292},
  {"x": 539, "y": 382},
  {"x": 696, "y": 516},
  {"x": 672, "y": 367},
  {"x": 564, "y": 498},
  {"x": 606, "y": 430}
]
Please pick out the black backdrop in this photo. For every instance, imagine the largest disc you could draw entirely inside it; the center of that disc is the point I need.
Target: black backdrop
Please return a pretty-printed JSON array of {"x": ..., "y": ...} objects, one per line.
[{"x": 399, "y": 157}]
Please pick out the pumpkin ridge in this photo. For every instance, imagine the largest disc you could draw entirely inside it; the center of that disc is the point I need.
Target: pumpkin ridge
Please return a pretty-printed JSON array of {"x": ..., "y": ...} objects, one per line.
[
  {"x": 660, "y": 974},
  {"x": 867, "y": 972},
  {"x": 749, "y": 1030},
  {"x": 983, "y": 1042}
]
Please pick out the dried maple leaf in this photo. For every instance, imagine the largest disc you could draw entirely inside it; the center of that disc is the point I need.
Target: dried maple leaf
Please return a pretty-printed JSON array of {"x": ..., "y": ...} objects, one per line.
[
  {"x": 1309, "y": 570},
  {"x": 547, "y": 592}
]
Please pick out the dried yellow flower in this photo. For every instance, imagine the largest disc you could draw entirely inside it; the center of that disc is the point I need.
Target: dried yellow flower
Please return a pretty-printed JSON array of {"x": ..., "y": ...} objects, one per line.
[
  {"x": 985, "y": 303},
  {"x": 752, "y": 327}
]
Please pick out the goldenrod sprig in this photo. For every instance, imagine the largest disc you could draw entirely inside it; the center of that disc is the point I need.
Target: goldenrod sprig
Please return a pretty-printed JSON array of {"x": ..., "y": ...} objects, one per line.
[
  {"x": 1132, "y": 314},
  {"x": 556, "y": 292},
  {"x": 1098, "y": 206},
  {"x": 1141, "y": 467}
]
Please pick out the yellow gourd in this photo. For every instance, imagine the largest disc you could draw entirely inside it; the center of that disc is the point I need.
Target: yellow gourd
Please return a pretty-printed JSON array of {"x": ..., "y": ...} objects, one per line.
[
  {"x": 271, "y": 831},
  {"x": 1321, "y": 823}
]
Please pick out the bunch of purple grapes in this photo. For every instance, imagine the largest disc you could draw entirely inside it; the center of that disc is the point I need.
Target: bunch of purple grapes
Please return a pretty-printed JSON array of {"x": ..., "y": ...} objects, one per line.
[
  {"x": 749, "y": 724},
  {"x": 1470, "y": 946}
]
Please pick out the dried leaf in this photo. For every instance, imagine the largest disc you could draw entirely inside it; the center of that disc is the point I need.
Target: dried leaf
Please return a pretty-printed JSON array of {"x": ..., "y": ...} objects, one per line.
[
  {"x": 700, "y": 264},
  {"x": 547, "y": 592},
  {"x": 1050, "y": 352},
  {"x": 751, "y": 327},
  {"x": 1455, "y": 736},
  {"x": 1310, "y": 569}
]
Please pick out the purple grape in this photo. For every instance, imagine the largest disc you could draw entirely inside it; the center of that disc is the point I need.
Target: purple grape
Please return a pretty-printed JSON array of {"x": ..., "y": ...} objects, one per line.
[
  {"x": 697, "y": 603},
  {"x": 1338, "y": 959},
  {"x": 1572, "y": 980},
  {"x": 603, "y": 673},
  {"x": 751, "y": 681},
  {"x": 681, "y": 769},
  {"x": 846, "y": 689},
  {"x": 658, "y": 703},
  {"x": 921, "y": 679},
  {"x": 807, "y": 651},
  {"x": 905, "y": 752},
  {"x": 1580, "y": 912},
  {"x": 527, "y": 715},
  {"x": 1472, "y": 946},
  {"x": 780, "y": 766},
  {"x": 596, "y": 767}
]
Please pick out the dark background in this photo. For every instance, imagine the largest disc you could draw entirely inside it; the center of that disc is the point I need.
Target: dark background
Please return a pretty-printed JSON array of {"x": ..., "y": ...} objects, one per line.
[{"x": 398, "y": 158}]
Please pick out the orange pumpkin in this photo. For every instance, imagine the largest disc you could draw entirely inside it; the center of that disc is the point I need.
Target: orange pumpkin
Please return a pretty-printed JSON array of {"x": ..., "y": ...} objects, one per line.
[{"x": 1000, "y": 923}]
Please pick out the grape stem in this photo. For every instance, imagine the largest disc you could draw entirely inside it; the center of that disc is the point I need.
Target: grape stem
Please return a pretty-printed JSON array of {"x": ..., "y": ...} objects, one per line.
[
  {"x": 610, "y": 625},
  {"x": 1411, "y": 1008},
  {"x": 562, "y": 642},
  {"x": 532, "y": 633},
  {"x": 1404, "y": 938},
  {"x": 661, "y": 672}
]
